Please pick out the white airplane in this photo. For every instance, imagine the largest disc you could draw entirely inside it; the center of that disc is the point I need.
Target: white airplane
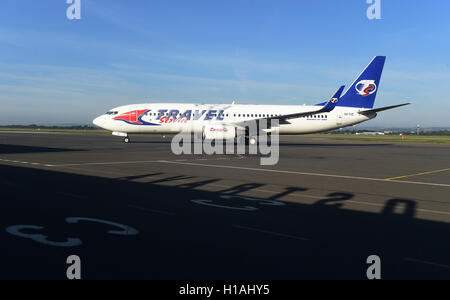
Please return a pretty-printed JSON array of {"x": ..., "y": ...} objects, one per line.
[{"x": 222, "y": 121}]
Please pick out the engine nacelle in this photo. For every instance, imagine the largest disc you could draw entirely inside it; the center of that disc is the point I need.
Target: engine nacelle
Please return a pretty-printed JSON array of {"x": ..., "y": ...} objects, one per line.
[{"x": 218, "y": 132}]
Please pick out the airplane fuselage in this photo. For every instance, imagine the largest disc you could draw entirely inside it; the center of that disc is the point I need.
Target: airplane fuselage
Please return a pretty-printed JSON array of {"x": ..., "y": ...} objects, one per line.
[{"x": 174, "y": 118}]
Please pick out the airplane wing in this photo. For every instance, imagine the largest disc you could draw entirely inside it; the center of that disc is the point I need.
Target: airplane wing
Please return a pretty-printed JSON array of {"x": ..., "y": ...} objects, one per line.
[
  {"x": 283, "y": 119},
  {"x": 376, "y": 110}
]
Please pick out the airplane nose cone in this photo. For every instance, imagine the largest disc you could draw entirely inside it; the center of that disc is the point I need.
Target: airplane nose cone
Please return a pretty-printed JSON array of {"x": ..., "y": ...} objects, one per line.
[{"x": 98, "y": 122}]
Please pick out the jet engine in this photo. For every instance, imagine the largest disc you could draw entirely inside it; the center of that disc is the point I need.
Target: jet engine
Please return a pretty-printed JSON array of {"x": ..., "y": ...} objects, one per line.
[{"x": 219, "y": 132}]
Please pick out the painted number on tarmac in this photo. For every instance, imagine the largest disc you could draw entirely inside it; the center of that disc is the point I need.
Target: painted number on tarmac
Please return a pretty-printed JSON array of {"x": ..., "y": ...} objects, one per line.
[
  {"x": 17, "y": 230},
  {"x": 20, "y": 231},
  {"x": 254, "y": 202},
  {"x": 125, "y": 230}
]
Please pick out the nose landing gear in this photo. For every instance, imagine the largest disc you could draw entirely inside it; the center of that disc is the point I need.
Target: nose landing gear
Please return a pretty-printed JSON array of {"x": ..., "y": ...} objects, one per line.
[{"x": 126, "y": 138}]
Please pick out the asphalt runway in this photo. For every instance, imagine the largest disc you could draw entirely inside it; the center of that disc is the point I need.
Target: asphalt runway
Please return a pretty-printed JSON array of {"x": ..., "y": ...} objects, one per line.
[{"x": 137, "y": 211}]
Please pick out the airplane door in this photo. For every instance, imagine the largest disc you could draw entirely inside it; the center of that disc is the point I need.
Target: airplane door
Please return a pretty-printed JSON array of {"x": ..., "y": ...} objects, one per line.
[{"x": 339, "y": 119}]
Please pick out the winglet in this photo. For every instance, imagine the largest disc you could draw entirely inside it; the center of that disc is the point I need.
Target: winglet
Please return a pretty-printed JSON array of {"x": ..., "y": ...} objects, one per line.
[
  {"x": 331, "y": 104},
  {"x": 339, "y": 92}
]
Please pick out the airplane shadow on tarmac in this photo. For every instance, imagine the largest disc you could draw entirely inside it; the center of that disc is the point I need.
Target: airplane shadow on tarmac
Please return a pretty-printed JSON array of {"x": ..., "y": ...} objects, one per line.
[{"x": 186, "y": 233}]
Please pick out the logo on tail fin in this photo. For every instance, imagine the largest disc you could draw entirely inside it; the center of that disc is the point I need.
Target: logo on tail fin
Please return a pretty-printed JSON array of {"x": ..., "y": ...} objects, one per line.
[{"x": 366, "y": 87}]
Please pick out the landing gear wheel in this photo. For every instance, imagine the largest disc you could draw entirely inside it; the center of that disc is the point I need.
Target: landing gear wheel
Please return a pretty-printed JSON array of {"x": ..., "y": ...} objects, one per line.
[{"x": 126, "y": 140}]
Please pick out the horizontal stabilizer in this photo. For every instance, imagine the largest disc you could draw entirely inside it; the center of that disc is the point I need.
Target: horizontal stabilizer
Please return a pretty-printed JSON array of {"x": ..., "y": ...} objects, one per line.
[{"x": 373, "y": 111}]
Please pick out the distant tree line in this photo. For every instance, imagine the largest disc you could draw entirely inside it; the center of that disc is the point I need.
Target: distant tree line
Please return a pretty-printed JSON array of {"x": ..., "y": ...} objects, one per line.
[
  {"x": 438, "y": 132},
  {"x": 425, "y": 132}
]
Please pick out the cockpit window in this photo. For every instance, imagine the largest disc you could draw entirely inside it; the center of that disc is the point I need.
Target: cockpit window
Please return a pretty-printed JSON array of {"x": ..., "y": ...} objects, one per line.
[{"x": 112, "y": 113}]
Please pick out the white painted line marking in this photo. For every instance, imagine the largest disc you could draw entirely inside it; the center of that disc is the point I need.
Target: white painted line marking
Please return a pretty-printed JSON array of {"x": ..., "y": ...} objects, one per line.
[
  {"x": 271, "y": 233},
  {"x": 107, "y": 163},
  {"x": 25, "y": 163},
  {"x": 127, "y": 162},
  {"x": 427, "y": 263},
  {"x": 252, "y": 169},
  {"x": 152, "y": 210},
  {"x": 38, "y": 132},
  {"x": 305, "y": 173}
]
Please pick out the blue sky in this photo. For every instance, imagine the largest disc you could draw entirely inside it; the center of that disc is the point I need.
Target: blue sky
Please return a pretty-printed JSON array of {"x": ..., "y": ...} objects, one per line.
[{"x": 53, "y": 70}]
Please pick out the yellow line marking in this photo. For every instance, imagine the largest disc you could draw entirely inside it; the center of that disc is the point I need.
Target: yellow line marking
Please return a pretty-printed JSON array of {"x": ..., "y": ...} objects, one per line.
[{"x": 419, "y": 174}]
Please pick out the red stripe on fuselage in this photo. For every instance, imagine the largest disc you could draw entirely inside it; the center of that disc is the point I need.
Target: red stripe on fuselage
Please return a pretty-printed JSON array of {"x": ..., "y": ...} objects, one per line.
[{"x": 132, "y": 116}]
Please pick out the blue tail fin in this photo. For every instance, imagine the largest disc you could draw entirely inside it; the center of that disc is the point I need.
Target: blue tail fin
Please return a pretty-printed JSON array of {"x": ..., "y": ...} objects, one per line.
[{"x": 363, "y": 91}]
